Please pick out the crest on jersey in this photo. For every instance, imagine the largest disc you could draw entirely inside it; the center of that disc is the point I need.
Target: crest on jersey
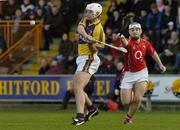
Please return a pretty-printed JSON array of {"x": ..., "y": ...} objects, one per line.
[{"x": 138, "y": 55}]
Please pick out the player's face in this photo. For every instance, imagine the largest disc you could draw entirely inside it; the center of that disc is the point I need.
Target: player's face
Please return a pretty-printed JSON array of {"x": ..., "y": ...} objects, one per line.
[
  {"x": 135, "y": 33},
  {"x": 89, "y": 15}
]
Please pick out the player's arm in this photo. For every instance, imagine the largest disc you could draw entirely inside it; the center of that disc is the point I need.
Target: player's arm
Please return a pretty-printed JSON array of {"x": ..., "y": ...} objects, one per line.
[
  {"x": 81, "y": 31},
  {"x": 123, "y": 40},
  {"x": 158, "y": 61}
]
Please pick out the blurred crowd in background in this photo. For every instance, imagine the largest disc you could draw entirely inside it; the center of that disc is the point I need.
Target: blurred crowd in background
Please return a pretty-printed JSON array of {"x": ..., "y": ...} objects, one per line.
[{"x": 160, "y": 20}]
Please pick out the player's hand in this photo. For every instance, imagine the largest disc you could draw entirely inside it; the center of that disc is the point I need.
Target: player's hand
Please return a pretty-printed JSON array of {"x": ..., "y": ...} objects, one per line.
[
  {"x": 122, "y": 36},
  {"x": 163, "y": 68},
  {"x": 90, "y": 38},
  {"x": 119, "y": 35},
  {"x": 123, "y": 39}
]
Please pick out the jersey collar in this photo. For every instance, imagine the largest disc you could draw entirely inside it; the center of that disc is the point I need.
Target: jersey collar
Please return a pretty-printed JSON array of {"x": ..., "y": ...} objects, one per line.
[
  {"x": 135, "y": 41},
  {"x": 96, "y": 22}
]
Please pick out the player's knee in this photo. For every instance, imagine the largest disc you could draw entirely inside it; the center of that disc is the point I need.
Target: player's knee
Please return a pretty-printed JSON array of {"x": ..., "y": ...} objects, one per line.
[{"x": 77, "y": 88}]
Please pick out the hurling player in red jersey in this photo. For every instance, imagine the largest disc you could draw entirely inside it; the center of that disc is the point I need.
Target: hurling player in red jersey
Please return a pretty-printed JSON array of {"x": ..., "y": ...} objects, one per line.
[{"x": 134, "y": 81}]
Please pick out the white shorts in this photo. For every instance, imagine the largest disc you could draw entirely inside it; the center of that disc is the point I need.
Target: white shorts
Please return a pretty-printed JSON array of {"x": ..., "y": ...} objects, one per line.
[
  {"x": 88, "y": 64},
  {"x": 130, "y": 78}
]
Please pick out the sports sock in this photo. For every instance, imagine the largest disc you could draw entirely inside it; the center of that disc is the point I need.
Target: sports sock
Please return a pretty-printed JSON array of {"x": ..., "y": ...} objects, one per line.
[{"x": 80, "y": 116}]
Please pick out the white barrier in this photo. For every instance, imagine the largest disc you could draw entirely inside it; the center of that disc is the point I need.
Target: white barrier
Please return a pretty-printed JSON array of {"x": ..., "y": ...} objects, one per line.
[{"x": 166, "y": 88}]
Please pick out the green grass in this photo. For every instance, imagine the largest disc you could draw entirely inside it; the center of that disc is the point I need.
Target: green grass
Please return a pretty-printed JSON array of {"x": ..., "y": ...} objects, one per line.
[{"x": 60, "y": 120}]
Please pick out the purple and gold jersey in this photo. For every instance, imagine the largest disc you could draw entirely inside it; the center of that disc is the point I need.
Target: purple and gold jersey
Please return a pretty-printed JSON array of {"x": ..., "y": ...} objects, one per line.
[{"x": 94, "y": 29}]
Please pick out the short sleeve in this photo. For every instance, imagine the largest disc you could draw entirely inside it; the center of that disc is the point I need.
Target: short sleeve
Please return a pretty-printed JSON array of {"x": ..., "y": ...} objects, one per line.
[
  {"x": 129, "y": 43},
  {"x": 150, "y": 48},
  {"x": 83, "y": 22}
]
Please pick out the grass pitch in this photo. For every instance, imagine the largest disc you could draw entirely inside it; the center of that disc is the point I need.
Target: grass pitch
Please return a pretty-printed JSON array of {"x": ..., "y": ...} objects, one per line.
[{"x": 61, "y": 120}]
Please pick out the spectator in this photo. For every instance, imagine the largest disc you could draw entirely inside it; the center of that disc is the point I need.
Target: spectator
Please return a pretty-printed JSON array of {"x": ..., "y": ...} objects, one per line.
[
  {"x": 102, "y": 67},
  {"x": 67, "y": 50},
  {"x": 40, "y": 14},
  {"x": 112, "y": 8},
  {"x": 32, "y": 15},
  {"x": 69, "y": 11},
  {"x": 80, "y": 4},
  {"x": 27, "y": 8},
  {"x": 44, "y": 66},
  {"x": 9, "y": 9},
  {"x": 178, "y": 18},
  {"x": 171, "y": 53},
  {"x": 167, "y": 17},
  {"x": 42, "y": 11},
  {"x": 108, "y": 32},
  {"x": 124, "y": 6},
  {"x": 114, "y": 20},
  {"x": 1, "y": 8},
  {"x": 56, "y": 3},
  {"x": 2, "y": 45},
  {"x": 54, "y": 27},
  {"x": 109, "y": 64},
  {"x": 41, "y": 5},
  {"x": 167, "y": 32},
  {"x": 48, "y": 10},
  {"x": 160, "y": 5},
  {"x": 116, "y": 42},
  {"x": 153, "y": 24},
  {"x": 143, "y": 18},
  {"x": 174, "y": 6},
  {"x": 56, "y": 67},
  {"x": 66, "y": 46},
  {"x": 18, "y": 16},
  {"x": 136, "y": 7}
]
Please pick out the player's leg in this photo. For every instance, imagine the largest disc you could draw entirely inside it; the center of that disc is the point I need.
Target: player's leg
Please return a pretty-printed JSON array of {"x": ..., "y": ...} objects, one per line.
[
  {"x": 126, "y": 99},
  {"x": 139, "y": 90},
  {"x": 79, "y": 82},
  {"x": 92, "y": 109},
  {"x": 126, "y": 91},
  {"x": 87, "y": 66},
  {"x": 126, "y": 96}
]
